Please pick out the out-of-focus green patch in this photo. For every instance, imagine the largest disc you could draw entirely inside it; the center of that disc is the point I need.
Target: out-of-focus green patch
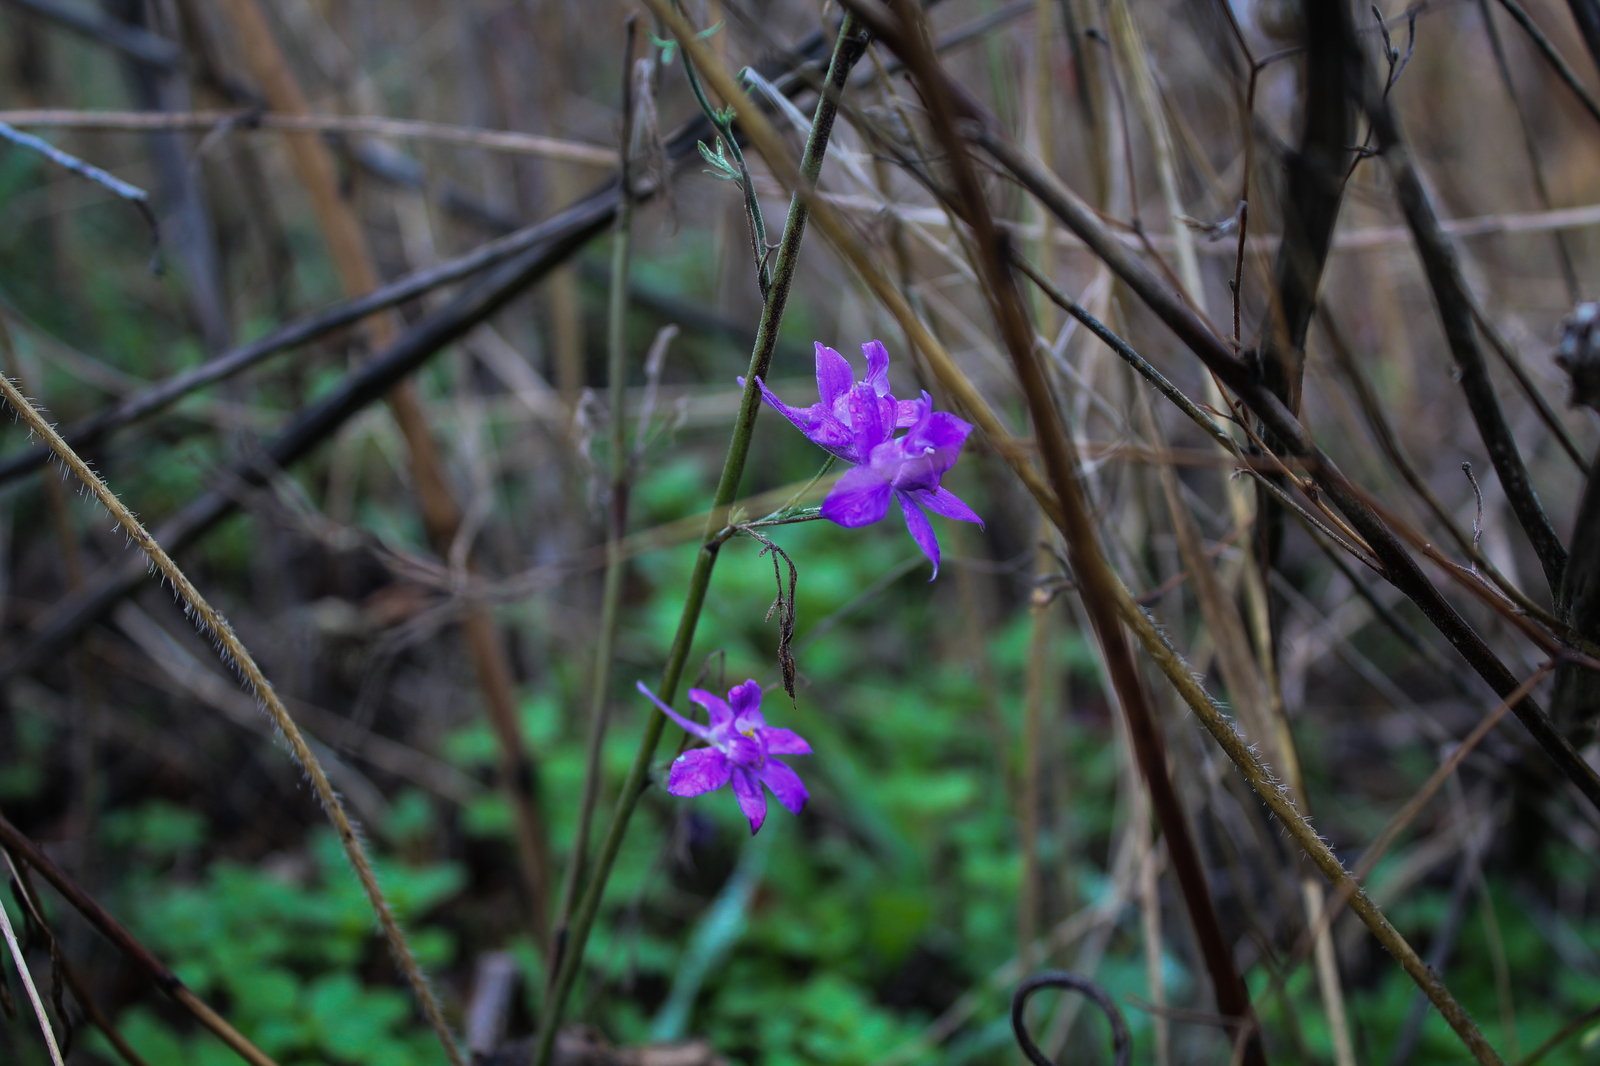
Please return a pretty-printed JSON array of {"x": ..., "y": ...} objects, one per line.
[
  {"x": 157, "y": 830},
  {"x": 23, "y": 774},
  {"x": 281, "y": 947}
]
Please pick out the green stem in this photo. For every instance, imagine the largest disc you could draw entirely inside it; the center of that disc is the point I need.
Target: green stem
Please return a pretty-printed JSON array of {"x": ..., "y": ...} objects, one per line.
[
  {"x": 827, "y": 465},
  {"x": 848, "y": 48}
]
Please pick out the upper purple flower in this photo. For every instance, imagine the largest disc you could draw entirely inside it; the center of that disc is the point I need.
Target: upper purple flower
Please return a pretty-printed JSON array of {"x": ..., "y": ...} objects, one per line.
[
  {"x": 856, "y": 421},
  {"x": 741, "y": 748},
  {"x": 828, "y": 423}
]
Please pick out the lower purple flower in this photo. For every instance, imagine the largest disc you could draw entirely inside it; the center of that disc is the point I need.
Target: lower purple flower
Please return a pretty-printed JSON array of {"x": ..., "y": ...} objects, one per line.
[{"x": 740, "y": 752}]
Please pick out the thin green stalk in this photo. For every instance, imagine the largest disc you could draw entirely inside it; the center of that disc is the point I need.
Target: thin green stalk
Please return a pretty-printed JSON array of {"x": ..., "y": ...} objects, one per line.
[
  {"x": 611, "y": 593},
  {"x": 827, "y": 465},
  {"x": 848, "y": 48},
  {"x": 722, "y": 122}
]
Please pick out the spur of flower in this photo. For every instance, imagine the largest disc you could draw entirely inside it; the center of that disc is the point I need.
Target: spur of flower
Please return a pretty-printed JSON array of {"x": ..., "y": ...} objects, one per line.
[
  {"x": 740, "y": 749},
  {"x": 856, "y": 421}
]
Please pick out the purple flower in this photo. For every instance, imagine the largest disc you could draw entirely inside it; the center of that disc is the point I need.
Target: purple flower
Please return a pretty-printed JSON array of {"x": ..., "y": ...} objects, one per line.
[
  {"x": 856, "y": 421},
  {"x": 829, "y": 423},
  {"x": 741, "y": 748}
]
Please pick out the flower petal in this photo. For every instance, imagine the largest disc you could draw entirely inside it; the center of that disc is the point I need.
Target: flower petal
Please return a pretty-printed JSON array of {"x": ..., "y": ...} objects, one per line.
[
  {"x": 928, "y": 450},
  {"x": 752, "y": 801},
  {"x": 920, "y": 528},
  {"x": 800, "y": 416},
  {"x": 818, "y": 422},
  {"x": 877, "y": 366},
  {"x": 689, "y": 727},
  {"x": 860, "y": 498},
  {"x": 908, "y": 413},
  {"x": 721, "y": 714},
  {"x": 833, "y": 375},
  {"x": 784, "y": 741},
  {"x": 867, "y": 428},
  {"x": 743, "y": 751},
  {"x": 747, "y": 717},
  {"x": 941, "y": 501},
  {"x": 745, "y": 698},
  {"x": 828, "y": 433},
  {"x": 694, "y": 773},
  {"x": 939, "y": 434},
  {"x": 786, "y": 785}
]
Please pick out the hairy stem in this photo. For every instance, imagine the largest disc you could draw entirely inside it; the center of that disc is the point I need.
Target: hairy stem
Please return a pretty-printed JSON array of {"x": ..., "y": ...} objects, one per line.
[
  {"x": 436, "y": 504},
  {"x": 213, "y": 625}
]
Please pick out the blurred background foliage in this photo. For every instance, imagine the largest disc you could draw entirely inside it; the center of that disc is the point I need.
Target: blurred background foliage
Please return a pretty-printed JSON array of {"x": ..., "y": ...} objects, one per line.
[{"x": 881, "y": 926}]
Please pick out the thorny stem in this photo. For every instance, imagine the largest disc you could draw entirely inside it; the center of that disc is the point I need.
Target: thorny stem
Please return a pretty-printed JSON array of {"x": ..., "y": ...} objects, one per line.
[
  {"x": 1322, "y": 916},
  {"x": 848, "y": 48},
  {"x": 611, "y": 591},
  {"x": 1321, "y": 855},
  {"x": 213, "y": 624}
]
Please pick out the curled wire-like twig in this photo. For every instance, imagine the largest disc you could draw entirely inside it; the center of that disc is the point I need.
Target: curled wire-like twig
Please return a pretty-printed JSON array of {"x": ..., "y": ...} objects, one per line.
[{"x": 1121, "y": 1042}]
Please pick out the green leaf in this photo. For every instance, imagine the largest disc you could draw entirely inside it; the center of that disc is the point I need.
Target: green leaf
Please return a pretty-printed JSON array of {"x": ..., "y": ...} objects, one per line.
[{"x": 669, "y": 48}]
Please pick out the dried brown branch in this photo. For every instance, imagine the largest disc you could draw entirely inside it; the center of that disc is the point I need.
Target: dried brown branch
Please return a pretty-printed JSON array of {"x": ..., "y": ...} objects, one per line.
[
  {"x": 80, "y": 991},
  {"x": 528, "y": 144},
  {"x": 1399, "y": 568},
  {"x": 1097, "y": 583},
  {"x": 1454, "y": 305},
  {"x": 774, "y": 150},
  {"x": 153, "y": 968}
]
